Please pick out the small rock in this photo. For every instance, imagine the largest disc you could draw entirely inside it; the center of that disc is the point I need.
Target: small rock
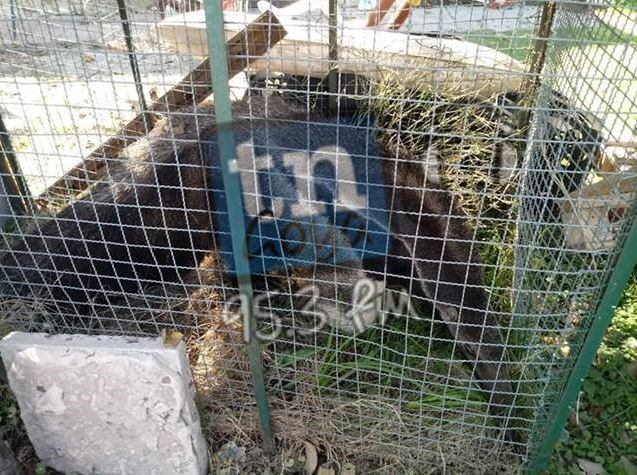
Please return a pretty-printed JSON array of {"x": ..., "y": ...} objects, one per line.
[
  {"x": 591, "y": 468},
  {"x": 229, "y": 459},
  {"x": 325, "y": 469},
  {"x": 311, "y": 458},
  {"x": 348, "y": 469},
  {"x": 625, "y": 437},
  {"x": 565, "y": 436},
  {"x": 631, "y": 369}
]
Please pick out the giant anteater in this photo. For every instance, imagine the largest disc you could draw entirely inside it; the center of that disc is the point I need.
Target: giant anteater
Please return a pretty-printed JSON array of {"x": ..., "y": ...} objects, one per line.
[{"x": 319, "y": 196}]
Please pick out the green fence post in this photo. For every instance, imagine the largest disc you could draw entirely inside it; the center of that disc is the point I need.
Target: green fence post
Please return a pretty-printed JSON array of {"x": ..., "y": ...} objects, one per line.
[
  {"x": 612, "y": 294},
  {"x": 223, "y": 111}
]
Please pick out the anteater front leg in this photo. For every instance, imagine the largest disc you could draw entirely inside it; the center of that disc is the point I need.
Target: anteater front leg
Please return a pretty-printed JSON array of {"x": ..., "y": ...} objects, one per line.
[{"x": 432, "y": 238}]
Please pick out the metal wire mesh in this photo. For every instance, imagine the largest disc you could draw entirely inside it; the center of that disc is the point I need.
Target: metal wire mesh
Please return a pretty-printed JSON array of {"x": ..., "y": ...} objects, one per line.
[{"x": 430, "y": 222}]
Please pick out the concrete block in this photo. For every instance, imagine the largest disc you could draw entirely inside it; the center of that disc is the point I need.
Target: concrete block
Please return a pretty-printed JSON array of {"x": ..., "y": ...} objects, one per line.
[{"x": 108, "y": 405}]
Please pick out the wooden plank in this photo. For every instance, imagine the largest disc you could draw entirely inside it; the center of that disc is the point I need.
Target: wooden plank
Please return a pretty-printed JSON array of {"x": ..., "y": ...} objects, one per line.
[
  {"x": 254, "y": 40},
  {"x": 591, "y": 213},
  {"x": 606, "y": 189},
  {"x": 449, "y": 65}
]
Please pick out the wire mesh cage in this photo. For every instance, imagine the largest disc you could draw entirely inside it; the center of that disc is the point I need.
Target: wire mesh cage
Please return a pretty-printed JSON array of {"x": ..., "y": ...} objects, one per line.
[{"x": 431, "y": 215}]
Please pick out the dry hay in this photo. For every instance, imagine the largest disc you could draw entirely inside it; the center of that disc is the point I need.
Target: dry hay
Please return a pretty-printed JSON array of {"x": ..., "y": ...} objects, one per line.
[
  {"x": 367, "y": 431},
  {"x": 373, "y": 434},
  {"x": 477, "y": 143}
]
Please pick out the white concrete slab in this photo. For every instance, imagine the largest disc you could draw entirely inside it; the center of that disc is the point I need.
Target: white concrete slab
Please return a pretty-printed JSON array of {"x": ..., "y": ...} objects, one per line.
[{"x": 108, "y": 405}]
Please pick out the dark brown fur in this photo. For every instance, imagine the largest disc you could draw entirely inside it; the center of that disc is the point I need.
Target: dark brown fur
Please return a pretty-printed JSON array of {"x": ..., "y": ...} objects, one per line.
[
  {"x": 148, "y": 222},
  {"x": 144, "y": 223},
  {"x": 445, "y": 261}
]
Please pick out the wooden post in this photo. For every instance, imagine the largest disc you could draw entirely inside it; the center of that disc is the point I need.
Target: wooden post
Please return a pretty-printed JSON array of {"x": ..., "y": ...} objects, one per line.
[
  {"x": 332, "y": 78},
  {"x": 17, "y": 198},
  {"x": 538, "y": 58},
  {"x": 538, "y": 52}
]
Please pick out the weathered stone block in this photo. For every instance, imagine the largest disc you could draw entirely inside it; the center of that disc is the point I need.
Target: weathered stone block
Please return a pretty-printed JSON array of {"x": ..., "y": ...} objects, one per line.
[{"x": 102, "y": 404}]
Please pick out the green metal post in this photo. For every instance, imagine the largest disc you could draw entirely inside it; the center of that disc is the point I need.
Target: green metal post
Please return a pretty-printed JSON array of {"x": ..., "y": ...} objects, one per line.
[
  {"x": 612, "y": 295},
  {"x": 223, "y": 111}
]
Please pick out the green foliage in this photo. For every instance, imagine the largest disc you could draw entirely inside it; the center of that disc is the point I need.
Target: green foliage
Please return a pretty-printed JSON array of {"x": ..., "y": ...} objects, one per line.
[
  {"x": 603, "y": 426},
  {"x": 629, "y": 4},
  {"x": 514, "y": 43},
  {"x": 9, "y": 416}
]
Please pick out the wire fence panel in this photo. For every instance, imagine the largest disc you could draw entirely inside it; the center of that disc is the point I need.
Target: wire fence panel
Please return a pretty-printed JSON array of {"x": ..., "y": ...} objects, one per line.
[{"x": 432, "y": 209}]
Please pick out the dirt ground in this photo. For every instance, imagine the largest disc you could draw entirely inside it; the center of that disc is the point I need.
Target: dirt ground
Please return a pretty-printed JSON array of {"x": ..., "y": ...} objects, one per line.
[{"x": 66, "y": 86}]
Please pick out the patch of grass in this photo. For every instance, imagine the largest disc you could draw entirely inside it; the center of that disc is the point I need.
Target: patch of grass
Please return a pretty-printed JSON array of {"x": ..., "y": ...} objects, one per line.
[
  {"x": 11, "y": 428},
  {"x": 518, "y": 43},
  {"x": 601, "y": 34},
  {"x": 628, "y": 4},
  {"x": 10, "y": 424},
  {"x": 514, "y": 43},
  {"x": 603, "y": 426}
]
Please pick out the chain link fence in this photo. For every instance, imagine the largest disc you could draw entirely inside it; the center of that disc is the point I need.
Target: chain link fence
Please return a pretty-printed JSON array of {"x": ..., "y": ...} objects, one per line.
[{"x": 431, "y": 215}]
